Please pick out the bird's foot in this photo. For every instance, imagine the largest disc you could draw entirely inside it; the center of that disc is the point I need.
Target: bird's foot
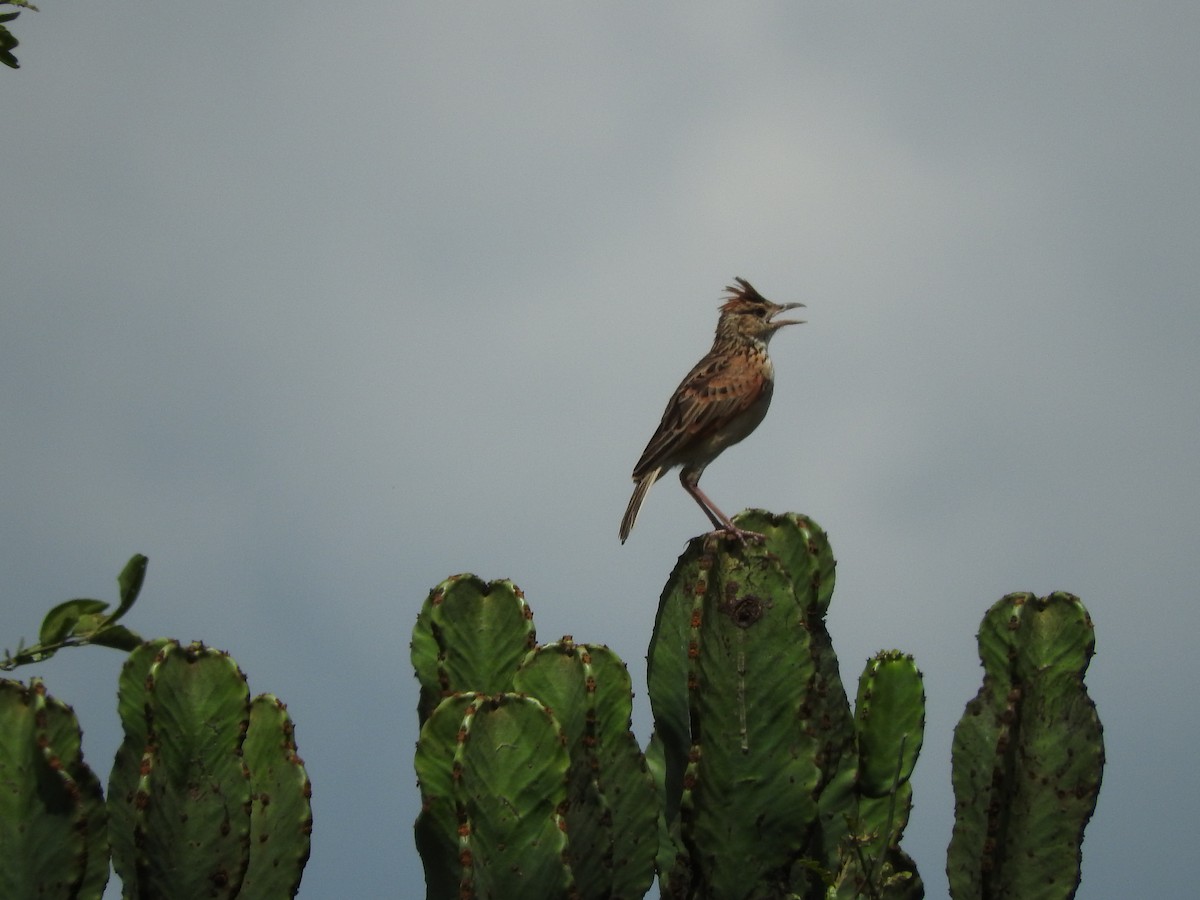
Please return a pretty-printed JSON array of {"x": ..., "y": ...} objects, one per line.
[{"x": 741, "y": 535}]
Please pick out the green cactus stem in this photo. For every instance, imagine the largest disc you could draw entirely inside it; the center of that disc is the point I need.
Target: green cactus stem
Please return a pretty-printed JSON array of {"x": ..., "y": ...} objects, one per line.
[
  {"x": 889, "y": 718},
  {"x": 470, "y": 636},
  {"x": 730, "y": 665},
  {"x": 126, "y": 770},
  {"x": 1028, "y": 754},
  {"x": 612, "y": 816},
  {"x": 493, "y": 776},
  {"x": 181, "y": 803},
  {"x": 281, "y": 814},
  {"x": 764, "y": 770},
  {"x": 802, "y": 548},
  {"x": 53, "y": 827}
]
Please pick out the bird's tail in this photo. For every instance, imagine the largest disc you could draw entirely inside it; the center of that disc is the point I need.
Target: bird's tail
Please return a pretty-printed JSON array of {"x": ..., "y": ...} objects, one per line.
[{"x": 635, "y": 502}]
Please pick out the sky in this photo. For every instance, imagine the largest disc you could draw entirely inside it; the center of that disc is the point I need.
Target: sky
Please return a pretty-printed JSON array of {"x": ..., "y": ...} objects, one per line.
[{"x": 318, "y": 305}]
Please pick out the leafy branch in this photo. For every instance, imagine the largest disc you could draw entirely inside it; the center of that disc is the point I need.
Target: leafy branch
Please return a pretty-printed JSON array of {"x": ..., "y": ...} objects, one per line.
[{"x": 77, "y": 623}]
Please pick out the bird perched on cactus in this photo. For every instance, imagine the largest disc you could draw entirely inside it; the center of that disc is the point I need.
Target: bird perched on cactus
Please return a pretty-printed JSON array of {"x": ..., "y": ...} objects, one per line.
[{"x": 720, "y": 402}]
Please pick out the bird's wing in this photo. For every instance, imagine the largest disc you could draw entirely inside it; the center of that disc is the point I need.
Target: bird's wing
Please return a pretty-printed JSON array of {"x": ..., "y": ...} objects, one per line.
[{"x": 712, "y": 394}]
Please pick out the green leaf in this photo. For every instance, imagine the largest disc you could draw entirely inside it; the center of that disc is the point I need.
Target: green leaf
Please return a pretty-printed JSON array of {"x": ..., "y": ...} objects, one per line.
[
  {"x": 118, "y": 637},
  {"x": 8, "y": 42},
  {"x": 60, "y": 623},
  {"x": 130, "y": 583}
]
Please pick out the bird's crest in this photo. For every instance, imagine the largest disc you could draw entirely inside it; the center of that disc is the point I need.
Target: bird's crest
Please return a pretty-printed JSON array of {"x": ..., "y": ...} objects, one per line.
[{"x": 743, "y": 297}]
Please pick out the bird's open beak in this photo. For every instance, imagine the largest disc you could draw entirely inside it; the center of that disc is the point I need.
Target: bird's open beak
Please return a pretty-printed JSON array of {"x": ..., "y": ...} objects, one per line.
[{"x": 784, "y": 307}]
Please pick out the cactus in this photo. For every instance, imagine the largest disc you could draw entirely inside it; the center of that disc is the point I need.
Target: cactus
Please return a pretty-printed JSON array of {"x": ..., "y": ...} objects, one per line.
[
  {"x": 889, "y": 718},
  {"x": 771, "y": 788},
  {"x": 756, "y": 756},
  {"x": 178, "y": 813},
  {"x": 207, "y": 797},
  {"x": 280, "y": 812},
  {"x": 480, "y": 670},
  {"x": 53, "y": 826},
  {"x": 194, "y": 740},
  {"x": 493, "y": 773},
  {"x": 612, "y": 819},
  {"x": 470, "y": 636},
  {"x": 757, "y": 782},
  {"x": 123, "y": 779},
  {"x": 1028, "y": 754},
  {"x": 768, "y": 785},
  {"x": 197, "y": 710},
  {"x": 729, "y": 664}
]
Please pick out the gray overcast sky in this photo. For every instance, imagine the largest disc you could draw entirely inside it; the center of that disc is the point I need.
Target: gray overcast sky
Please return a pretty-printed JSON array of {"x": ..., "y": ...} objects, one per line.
[{"x": 317, "y": 305}]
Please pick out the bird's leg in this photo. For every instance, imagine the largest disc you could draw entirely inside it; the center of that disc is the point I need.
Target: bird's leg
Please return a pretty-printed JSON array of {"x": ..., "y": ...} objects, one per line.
[{"x": 722, "y": 522}]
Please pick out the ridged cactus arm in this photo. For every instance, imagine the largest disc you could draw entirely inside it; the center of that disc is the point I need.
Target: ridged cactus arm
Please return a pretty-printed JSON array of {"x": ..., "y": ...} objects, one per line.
[
  {"x": 59, "y": 739},
  {"x": 280, "y": 814},
  {"x": 123, "y": 779},
  {"x": 747, "y": 800},
  {"x": 672, "y": 642},
  {"x": 192, "y": 821},
  {"x": 670, "y": 861},
  {"x": 803, "y": 550},
  {"x": 95, "y": 877},
  {"x": 1028, "y": 754},
  {"x": 612, "y": 814},
  {"x": 889, "y": 717},
  {"x": 557, "y": 676},
  {"x": 1064, "y": 752},
  {"x": 470, "y": 636},
  {"x": 493, "y": 776},
  {"x": 45, "y": 810}
]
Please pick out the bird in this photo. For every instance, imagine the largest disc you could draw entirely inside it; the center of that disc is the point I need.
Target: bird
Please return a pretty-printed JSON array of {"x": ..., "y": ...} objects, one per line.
[{"x": 720, "y": 402}]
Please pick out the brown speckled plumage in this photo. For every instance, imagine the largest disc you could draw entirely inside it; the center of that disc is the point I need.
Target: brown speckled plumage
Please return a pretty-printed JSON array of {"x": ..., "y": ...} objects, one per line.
[{"x": 720, "y": 402}]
